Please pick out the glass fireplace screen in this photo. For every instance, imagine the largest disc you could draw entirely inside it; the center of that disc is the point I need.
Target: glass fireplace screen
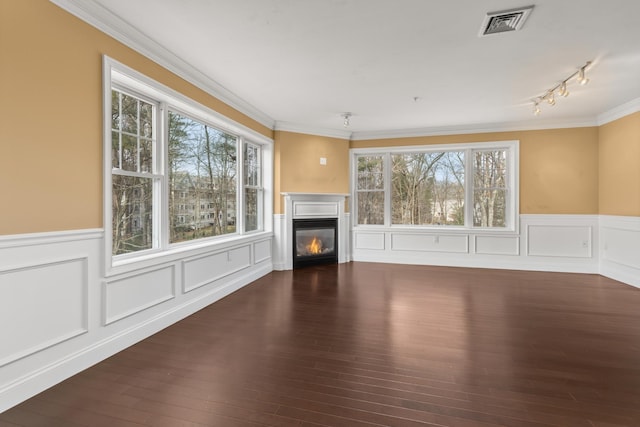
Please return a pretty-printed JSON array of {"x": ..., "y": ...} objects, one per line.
[{"x": 314, "y": 241}]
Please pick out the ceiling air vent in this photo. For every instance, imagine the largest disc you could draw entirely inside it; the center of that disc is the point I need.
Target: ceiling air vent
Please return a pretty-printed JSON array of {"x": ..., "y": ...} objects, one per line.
[{"x": 504, "y": 21}]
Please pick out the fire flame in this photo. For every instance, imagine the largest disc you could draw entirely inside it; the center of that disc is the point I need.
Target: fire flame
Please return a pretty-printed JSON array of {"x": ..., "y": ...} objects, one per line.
[{"x": 315, "y": 247}]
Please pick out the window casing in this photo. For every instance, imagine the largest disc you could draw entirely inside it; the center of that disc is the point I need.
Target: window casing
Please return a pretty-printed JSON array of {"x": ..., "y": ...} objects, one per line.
[
  {"x": 454, "y": 186},
  {"x": 177, "y": 174}
]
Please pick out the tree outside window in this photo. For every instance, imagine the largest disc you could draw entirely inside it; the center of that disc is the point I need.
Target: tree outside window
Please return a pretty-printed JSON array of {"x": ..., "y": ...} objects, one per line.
[
  {"x": 202, "y": 169},
  {"x": 467, "y": 186}
]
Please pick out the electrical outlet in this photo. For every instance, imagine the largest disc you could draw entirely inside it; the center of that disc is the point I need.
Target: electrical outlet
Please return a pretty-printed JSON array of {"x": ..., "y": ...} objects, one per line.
[{"x": 323, "y": 161}]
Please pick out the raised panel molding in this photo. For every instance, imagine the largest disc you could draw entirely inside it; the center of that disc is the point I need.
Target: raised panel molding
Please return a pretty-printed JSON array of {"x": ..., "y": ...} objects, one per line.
[
  {"x": 458, "y": 243},
  {"x": 559, "y": 241},
  {"x": 365, "y": 240},
  {"x": 315, "y": 209},
  {"x": 262, "y": 251},
  {"x": 620, "y": 248},
  {"x": 566, "y": 243},
  {"x": 133, "y": 293},
  {"x": 42, "y": 304},
  {"x": 203, "y": 270},
  {"x": 497, "y": 245}
]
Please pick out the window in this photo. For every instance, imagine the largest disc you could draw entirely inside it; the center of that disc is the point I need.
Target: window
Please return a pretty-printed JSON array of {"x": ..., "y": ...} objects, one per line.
[
  {"x": 370, "y": 189},
  {"x": 253, "y": 187},
  {"x": 490, "y": 188},
  {"x": 427, "y": 188},
  {"x": 202, "y": 165},
  {"x": 463, "y": 186},
  {"x": 134, "y": 181},
  {"x": 176, "y": 172}
]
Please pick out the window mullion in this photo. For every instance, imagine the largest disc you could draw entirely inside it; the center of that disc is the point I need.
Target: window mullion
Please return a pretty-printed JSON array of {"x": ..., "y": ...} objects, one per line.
[
  {"x": 119, "y": 131},
  {"x": 240, "y": 185},
  {"x": 161, "y": 158},
  {"x": 387, "y": 189},
  {"x": 469, "y": 184}
]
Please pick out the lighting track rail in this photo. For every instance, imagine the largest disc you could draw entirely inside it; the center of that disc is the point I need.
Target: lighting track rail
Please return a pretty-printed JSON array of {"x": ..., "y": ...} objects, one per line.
[{"x": 561, "y": 89}]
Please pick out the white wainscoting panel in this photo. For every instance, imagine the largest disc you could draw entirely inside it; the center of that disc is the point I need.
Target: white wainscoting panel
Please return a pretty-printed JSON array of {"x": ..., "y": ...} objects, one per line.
[
  {"x": 202, "y": 270},
  {"x": 62, "y": 310},
  {"x": 124, "y": 296},
  {"x": 346, "y": 238},
  {"x": 559, "y": 241},
  {"x": 497, "y": 245},
  {"x": 430, "y": 242},
  {"x": 278, "y": 245},
  {"x": 261, "y": 251},
  {"x": 374, "y": 241},
  {"x": 42, "y": 304},
  {"x": 620, "y": 248},
  {"x": 544, "y": 242}
]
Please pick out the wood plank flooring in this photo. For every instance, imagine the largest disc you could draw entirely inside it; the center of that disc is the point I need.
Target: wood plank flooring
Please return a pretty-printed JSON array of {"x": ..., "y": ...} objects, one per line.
[{"x": 365, "y": 344}]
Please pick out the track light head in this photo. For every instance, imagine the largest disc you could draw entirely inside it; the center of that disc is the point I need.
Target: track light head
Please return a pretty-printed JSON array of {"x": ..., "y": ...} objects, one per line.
[
  {"x": 551, "y": 99},
  {"x": 562, "y": 91},
  {"x": 582, "y": 79},
  {"x": 536, "y": 108}
]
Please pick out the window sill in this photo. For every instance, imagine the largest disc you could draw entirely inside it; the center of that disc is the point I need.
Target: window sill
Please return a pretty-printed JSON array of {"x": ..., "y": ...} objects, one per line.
[{"x": 430, "y": 229}]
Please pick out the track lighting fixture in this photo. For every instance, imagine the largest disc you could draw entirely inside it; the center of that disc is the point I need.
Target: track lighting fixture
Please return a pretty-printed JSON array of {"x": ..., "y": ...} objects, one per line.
[
  {"x": 582, "y": 79},
  {"x": 536, "y": 108},
  {"x": 346, "y": 117},
  {"x": 561, "y": 88},
  {"x": 551, "y": 99}
]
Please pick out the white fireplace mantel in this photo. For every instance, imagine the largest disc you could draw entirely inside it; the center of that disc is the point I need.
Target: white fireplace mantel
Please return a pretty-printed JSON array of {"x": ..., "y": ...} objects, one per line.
[{"x": 313, "y": 205}]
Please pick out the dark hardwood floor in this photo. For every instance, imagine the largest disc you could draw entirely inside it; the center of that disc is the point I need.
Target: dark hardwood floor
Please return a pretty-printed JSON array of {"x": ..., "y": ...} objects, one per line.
[{"x": 365, "y": 344}]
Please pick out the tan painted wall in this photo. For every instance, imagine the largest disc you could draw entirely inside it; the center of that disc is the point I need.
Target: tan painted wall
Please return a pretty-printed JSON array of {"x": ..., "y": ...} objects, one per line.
[
  {"x": 51, "y": 138},
  {"x": 298, "y": 169},
  {"x": 619, "y": 155},
  {"x": 51, "y": 116},
  {"x": 558, "y": 167}
]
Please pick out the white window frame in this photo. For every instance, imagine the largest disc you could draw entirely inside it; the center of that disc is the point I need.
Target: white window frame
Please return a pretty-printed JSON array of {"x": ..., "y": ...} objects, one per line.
[
  {"x": 120, "y": 77},
  {"x": 512, "y": 200}
]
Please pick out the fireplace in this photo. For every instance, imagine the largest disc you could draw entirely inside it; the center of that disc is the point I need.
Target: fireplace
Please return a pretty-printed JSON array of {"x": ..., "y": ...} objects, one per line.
[
  {"x": 315, "y": 241},
  {"x": 303, "y": 213}
]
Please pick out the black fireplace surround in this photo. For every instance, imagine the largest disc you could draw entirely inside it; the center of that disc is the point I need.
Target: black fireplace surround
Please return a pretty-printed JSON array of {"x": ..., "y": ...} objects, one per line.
[{"x": 315, "y": 241}]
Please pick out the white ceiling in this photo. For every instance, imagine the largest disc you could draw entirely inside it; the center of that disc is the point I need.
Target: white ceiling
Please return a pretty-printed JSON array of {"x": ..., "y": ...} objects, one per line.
[{"x": 299, "y": 64}]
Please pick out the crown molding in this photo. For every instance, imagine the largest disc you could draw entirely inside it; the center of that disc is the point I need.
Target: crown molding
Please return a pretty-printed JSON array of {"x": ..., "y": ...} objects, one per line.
[
  {"x": 619, "y": 112},
  {"x": 476, "y": 128},
  {"x": 99, "y": 17},
  {"x": 309, "y": 130}
]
